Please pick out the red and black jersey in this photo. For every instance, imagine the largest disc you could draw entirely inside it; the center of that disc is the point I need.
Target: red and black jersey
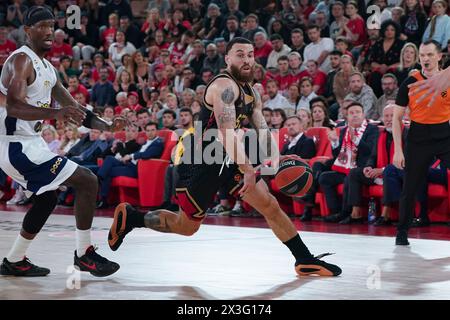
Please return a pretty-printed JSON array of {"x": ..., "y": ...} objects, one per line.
[{"x": 244, "y": 104}]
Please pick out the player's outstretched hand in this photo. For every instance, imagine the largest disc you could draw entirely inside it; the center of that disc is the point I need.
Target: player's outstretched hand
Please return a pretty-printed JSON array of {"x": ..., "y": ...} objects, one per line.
[
  {"x": 119, "y": 123},
  {"x": 71, "y": 114},
  {"x": 431, "y": 87}
]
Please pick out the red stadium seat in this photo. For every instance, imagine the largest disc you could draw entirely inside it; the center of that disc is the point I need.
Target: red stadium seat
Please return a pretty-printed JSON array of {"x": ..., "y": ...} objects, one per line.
[
  {"x": 147, "y": 190},
  {"x": 323, "y": 145}
]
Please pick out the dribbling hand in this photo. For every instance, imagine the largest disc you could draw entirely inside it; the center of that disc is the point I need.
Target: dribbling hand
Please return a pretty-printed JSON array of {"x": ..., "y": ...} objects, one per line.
[
  {"x": 249, "y": 182},
  {"x": 71, "y": 114}
]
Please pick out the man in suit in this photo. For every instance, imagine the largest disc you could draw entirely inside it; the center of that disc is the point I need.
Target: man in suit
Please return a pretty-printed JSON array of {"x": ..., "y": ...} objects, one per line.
[
  {"x": 371, "y": 173},
  {"x": 127, "y": 165},
  {"x": 298, "y": 143},
  {"x": 351, "y": 149}
]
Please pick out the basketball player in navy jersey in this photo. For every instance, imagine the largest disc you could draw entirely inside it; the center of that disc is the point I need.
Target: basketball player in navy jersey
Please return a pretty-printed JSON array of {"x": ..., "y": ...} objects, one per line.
[
  {"x": 29, "y": 82},
  {"x": 228, "y": 101}
]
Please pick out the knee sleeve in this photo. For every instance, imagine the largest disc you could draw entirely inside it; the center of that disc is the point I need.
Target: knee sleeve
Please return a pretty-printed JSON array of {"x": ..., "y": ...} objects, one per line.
[{"x": 38, "y": 214}]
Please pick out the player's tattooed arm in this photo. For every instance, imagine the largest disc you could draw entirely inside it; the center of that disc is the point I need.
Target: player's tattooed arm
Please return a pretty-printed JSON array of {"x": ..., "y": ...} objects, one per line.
[
  {"x": 228, "y": 114},
  {"x": 223, "y": 94}
]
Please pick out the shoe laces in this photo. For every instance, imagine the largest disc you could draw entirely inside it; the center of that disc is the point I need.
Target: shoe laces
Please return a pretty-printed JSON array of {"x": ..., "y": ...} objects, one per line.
[
  {"x": 221, "y": 208},
  {"x": 26, "y": 261},
  {"x": 92, "y": 254}
]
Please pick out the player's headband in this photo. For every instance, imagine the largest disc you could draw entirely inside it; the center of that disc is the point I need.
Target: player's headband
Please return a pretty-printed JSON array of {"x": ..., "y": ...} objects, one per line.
[{"x": 37, "y": 14}]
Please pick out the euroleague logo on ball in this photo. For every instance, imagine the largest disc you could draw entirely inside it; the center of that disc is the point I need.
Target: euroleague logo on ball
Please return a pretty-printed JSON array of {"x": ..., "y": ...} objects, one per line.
[
  {"x": 294, "y": 176},
  {"x": 287, "y": 163}
]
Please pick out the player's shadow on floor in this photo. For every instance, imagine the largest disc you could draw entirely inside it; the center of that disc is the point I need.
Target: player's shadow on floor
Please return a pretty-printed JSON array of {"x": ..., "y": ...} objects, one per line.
[
  {"x": 196, "y": 293},
  {"x": 38, "y": 289},
  {"x": 280, "y": 290},
  {"x": 180, "y": 292},
  {"x": 413, "y": 272}
]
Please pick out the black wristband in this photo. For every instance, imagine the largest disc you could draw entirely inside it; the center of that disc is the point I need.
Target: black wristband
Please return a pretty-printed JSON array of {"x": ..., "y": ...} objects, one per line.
[{"x": 87, "y": 122}]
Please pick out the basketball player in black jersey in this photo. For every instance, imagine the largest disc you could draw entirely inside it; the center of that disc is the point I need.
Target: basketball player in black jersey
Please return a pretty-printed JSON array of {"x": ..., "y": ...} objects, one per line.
[{"x": 228, "y": 101}]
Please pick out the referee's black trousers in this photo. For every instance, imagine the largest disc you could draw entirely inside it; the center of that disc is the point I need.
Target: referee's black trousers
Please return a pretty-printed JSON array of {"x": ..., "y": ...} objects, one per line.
[{"x": 424, "y": 142}]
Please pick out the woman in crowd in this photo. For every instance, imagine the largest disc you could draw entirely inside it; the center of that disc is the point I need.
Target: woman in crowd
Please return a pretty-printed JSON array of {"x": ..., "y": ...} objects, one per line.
[
  {"x": 50, "y": 136},
  {"x": 119, "y": 48},
  {"x": 293, "y": 95},
  {"x": 409, "y": 60},
  {"x": 355, "y": 29},
  {"x": 306, "y": 117},
  {"x": 260, "y": 75},
  {"x": 439, "y": 24},
  {"x": 127, "y": 64},
  {"x": 306, "y": 93},
  {"x": 278, "y": 118},
  {"x": 385, "y": 54},
  {"x": 413, "y": 21},
  {"x": 70, "y": 138},
  {"x": 124, "y": 83},
  {"x": 319, "y": 112}
]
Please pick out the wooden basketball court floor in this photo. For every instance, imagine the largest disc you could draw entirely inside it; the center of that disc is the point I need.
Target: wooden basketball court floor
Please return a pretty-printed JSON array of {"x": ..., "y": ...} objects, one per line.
[{"x": 223, "y": 262}]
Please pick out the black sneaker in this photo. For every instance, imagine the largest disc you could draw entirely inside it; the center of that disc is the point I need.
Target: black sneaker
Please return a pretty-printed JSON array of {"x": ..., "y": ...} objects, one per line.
[
  {"x": 95, "y": 264},
  {"x": 381, "y": 221},
  {"x": 121, "y": 225},
  {"x": 102, "y": 204},
  {"x": 350, "y": 220},
  {"x": 421, "y": 222},
  {"x": 307, "y": 214},
  {"x": 22, "y": 268},
  {"x": 334, "y": 218},
  {"x": 315, "y": 266},
  {"x": 402, "y": 238}
]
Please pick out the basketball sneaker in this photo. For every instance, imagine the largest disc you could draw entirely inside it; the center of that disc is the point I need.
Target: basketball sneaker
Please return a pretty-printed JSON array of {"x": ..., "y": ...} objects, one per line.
[
  {"x": 95, "y": 264},
  {"x": 315, "y": 266},
  {"x": 218, "y": 210},
  {"x": 124, "y": 215},
  {"x": 23, "y": 268}
]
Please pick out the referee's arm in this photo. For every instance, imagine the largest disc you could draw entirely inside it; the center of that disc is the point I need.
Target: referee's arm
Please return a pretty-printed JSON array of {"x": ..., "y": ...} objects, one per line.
[{"x": 401, "y": 102}]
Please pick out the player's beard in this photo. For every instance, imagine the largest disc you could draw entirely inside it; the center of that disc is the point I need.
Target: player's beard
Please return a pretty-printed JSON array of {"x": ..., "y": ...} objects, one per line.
[{"x": 236, "y": 73}]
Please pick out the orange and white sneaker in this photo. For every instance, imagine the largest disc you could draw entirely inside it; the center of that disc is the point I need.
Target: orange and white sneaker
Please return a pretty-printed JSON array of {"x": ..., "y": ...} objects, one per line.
[
  {"x": 124, "y": 215},
  {"x": 317, "y": 267}
]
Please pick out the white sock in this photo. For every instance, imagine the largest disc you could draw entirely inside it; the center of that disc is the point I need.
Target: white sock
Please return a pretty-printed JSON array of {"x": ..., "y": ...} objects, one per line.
[
  {"x": 19, "y": 249},
  {"x": 83, "y": 241}
]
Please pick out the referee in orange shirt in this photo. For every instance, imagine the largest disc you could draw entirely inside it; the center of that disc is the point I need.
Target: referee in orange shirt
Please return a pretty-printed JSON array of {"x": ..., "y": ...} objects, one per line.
[{"x": 429, "y": 133}]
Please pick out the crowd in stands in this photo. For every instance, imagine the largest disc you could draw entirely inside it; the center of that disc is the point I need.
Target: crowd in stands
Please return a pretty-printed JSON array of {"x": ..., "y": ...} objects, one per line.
[{"x": 325, "y": 63}]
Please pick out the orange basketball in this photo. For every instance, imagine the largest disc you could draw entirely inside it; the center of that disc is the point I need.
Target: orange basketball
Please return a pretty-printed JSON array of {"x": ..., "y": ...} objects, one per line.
[{"x": 294, "y": 176}]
